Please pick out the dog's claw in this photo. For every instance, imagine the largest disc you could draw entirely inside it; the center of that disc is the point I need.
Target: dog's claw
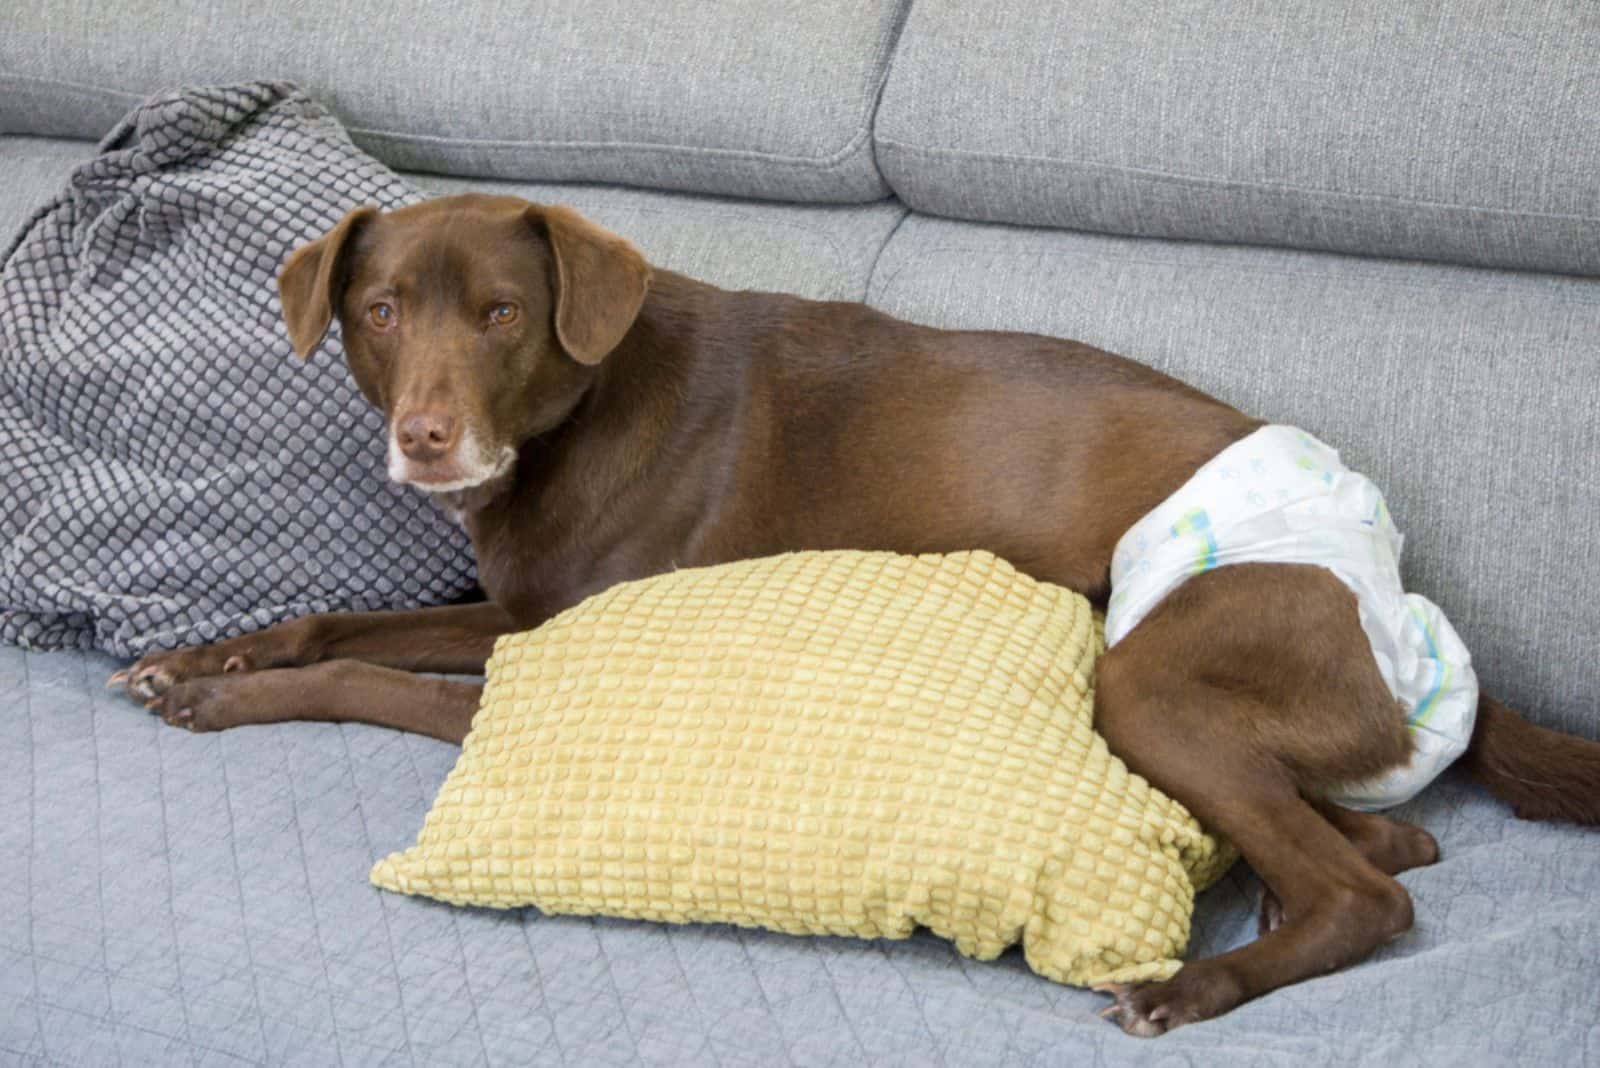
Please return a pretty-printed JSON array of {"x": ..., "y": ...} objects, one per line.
[
  {"x": 235, "y": 663},
  {"x": 1127, "y": 1015},
  {"x": 119, "y": 678},
  {"x": 151, "y": 682},
  {"x": 183, "y": 717},
  {"x": 1271, "y": 913}
]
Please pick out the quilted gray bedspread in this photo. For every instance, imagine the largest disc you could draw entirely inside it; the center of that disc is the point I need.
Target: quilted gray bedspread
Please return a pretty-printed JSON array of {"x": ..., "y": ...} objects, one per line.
[{"x": 168, "y": 898}]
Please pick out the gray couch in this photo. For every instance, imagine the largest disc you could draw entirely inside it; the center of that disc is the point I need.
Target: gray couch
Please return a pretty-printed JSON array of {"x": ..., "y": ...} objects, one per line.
[{"x": 1372, "y": 220}]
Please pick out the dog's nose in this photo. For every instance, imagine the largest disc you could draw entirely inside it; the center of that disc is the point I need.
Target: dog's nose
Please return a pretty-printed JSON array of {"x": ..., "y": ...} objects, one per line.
[{"x": 425, "y": 436}]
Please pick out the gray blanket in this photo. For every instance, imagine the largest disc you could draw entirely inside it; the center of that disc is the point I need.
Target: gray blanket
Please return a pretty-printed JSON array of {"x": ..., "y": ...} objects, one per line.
[
  {"x": 172, "y": 474},
  {"x": 171, "y": 898}
]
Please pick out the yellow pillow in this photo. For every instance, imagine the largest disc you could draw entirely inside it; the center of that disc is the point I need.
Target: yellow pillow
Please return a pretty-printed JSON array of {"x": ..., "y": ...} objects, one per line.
[{"x": 846, "y": 743}]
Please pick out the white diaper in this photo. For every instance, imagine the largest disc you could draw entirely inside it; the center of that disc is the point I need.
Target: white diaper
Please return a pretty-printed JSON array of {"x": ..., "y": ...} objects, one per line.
[{"x": 1282, "y": 496}]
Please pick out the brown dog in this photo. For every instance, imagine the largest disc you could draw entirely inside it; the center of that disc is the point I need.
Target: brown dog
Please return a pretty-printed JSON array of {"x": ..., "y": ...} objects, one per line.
[{"x": 592, "y": 421}]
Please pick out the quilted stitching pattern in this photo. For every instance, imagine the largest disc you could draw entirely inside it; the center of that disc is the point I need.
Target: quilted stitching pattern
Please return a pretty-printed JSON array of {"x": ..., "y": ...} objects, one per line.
[
  {"x": 820, "y": 743},
  {"x": 174, "y": 475},
  {"x": 168, "y": 898}
]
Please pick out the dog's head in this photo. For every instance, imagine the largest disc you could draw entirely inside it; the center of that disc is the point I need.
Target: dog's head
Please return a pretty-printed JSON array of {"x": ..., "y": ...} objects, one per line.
[{"x": 472, "y": 322}]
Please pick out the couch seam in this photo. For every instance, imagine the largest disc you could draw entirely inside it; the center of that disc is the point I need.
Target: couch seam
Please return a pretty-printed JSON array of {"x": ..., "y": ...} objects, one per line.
[
  {"x": 62, "y": 83},
  {"x": 1202, "y": 180},
  {"x": 940, "y": 250},
  {"x": 899, "y": 25},
  {"x": 872, "y": 272},
  {"x": 825, "y": 163}
]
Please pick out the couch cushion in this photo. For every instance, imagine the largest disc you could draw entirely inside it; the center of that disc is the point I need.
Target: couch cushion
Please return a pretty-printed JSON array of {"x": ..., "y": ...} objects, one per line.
[
  {"x": 32, "y": 170},
  {"x": 1456, "y": 132},
  {"x": 1471, "y": 397},
  {"x": 822, "y": 252},
  {"x": 769, "y": 100}
]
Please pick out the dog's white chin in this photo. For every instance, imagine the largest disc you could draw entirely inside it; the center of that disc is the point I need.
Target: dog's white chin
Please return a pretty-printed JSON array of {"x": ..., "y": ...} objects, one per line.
[{"x": 470, "y": 467}]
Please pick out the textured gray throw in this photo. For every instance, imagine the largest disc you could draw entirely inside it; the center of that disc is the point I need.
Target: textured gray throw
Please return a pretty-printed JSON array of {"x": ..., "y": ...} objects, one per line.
[{"x": 171, "y": 472}]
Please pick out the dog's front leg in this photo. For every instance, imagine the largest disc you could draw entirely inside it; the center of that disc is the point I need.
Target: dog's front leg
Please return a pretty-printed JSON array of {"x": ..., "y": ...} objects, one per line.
[
  {"x": 338, "y": 691},
  {"x": 456, "y": 639}
]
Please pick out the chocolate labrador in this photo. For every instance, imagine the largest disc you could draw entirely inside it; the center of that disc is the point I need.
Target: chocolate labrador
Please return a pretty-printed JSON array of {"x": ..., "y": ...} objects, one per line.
[{"x": 592, "y": 420}]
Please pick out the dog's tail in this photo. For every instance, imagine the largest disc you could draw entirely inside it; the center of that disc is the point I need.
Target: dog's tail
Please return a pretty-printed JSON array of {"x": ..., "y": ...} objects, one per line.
[{"x": 1544, "y": 774}]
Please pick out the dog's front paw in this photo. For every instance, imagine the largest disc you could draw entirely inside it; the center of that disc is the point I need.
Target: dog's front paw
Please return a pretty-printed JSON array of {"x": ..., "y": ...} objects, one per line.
[
  {"x": 205, "y": 704},
  {"x": 216, "y": 702},
  {"x": 157, "y": 673},
  {"x": 1198, "y": 992}
]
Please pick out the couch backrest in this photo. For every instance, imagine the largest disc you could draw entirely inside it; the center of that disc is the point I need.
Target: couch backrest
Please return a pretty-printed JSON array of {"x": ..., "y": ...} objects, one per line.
[
  {"x": 758, "y": 98},
  {"x": 1452, "y": 130},
  {"x": 1455, "y": 130}
]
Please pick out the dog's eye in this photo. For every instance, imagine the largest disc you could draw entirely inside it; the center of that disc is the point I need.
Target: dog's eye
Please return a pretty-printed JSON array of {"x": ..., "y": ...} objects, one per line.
[
  {"x": 503, "y": 314},
  {"x": 382, "y": 315}
]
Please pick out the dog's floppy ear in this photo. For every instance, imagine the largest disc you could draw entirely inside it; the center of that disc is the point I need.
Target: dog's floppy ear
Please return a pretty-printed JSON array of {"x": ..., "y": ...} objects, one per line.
[
  {"x": 600, "y": 282},
  {"x": 307, "y": 282}
]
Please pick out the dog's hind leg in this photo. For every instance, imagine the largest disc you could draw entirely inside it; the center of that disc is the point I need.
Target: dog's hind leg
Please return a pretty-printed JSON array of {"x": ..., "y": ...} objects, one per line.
[
  {"x": 340, "y": 691},
  {"x": 1248, "y": 689},
  {"x": 1392, "y": 845},
  {"x": 1389, "y": 845}
]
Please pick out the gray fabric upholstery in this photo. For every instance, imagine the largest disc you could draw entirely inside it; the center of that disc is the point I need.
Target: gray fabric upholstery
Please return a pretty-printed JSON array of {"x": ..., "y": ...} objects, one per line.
[
  {"x": 772, "y": 99},
  {"x": 169, "y": 898},
  {"x": 1471, "y": 397},
  {"x": 826, "y": 253},
  {"x": 1453, "y": 131},
  {"x": 32, "y": 170}
]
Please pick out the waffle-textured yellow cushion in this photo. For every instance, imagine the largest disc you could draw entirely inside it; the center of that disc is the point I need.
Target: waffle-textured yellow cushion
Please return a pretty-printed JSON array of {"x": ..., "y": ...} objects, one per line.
[{"x": 845, "y": 743}]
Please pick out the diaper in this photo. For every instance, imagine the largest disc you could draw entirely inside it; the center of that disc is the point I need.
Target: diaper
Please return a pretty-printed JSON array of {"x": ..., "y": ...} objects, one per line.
[{"x": 1281, "y": 496}]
